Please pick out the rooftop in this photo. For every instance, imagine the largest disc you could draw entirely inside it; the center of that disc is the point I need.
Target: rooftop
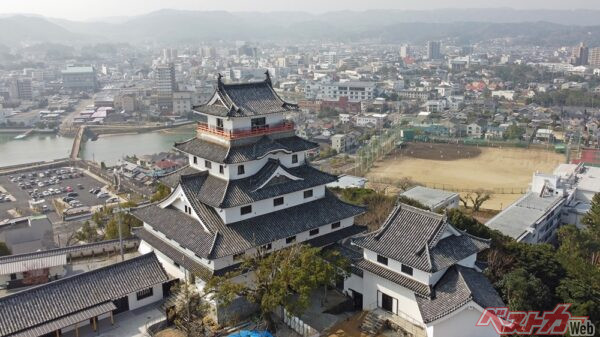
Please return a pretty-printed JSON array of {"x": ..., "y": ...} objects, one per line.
[
  {"x": 78, "y": 70},
  {"x": 516, "y": 219},
  {"x": 243, "y": 153},
  {"x": 60, "y": 299},
  {"x": 246, "y": 99},
  {"x": 227, "y": 239},
  {"x": 413, "y": 237},
  {"x": 428, "y": 196},
  {"x": 458, "y": 287}
]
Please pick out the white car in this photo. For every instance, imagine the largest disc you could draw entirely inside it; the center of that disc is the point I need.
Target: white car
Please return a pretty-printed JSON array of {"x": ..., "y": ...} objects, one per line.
[{"x": 102, "y": 195}]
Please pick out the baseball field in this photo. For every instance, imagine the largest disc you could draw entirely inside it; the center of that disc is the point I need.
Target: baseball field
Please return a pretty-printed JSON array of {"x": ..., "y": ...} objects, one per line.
[{"x": 505, "y": 171}]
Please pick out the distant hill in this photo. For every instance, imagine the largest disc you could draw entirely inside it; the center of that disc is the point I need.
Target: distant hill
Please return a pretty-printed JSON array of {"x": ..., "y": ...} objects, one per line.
[
  {"x": 550, "y": 27},
  {"x": 19, "y": 28}
]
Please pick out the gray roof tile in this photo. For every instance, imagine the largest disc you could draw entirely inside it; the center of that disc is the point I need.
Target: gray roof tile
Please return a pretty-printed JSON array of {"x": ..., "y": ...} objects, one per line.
[
  {"x": 247, "y": 99},
  {"x": 419, "y": 288},
  {"x": 217, "y": 192},
  {"x": 225, "y": 240},
  {"x": 243, "y": 153},
  {"x": 412, "y": 236},
  {"x": 57, "y": 299},
  {"x": 456, "y": 288}
]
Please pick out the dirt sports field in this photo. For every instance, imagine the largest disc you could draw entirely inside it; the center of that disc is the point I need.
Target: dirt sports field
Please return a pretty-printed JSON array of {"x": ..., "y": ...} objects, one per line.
[{"x": 506, "y": 171}]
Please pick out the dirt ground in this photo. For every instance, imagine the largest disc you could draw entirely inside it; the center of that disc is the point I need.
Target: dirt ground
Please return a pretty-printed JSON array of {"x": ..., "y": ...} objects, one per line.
[
  {"x": 170, "y": 333},
  {"x": 348, "y": 328},
  {"x": 505, "y": 171}
]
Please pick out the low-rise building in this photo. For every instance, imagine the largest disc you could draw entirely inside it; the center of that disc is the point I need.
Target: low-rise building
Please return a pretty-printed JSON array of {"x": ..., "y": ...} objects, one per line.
[
  {"x": 433, "y": 198},
  {"x": 338, "y": 143},
  {"x": 563, "y": 197},
  {"x": 84, "y": 299}
]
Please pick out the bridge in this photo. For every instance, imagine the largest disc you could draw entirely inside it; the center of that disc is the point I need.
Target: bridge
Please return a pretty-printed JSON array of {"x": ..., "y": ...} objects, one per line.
[{"x": 77, "y": 143}]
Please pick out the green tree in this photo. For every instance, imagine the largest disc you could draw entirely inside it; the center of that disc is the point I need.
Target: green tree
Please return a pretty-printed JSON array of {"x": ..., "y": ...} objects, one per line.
[
  {"x": 579, "y": 254},
  {"x": 4, "y": 250},
  {"x": 162, "y": 191},
  {"x": 513, "y": 131},
  {"x": 87, "y": 233},
  {"x": 592, "y": 218},
  {"x": 523, "y": 291},
  {"x": 283, "y": 278},
  {"x": 189, "y": 310},
  {"x": 111, "y": 231}
]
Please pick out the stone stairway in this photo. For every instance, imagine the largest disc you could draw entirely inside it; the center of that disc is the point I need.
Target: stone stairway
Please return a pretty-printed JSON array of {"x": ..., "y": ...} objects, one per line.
[{"x": 372, "y": 325}]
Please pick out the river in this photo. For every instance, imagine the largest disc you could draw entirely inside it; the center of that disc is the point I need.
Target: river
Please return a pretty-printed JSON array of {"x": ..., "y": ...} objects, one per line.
[{"x": 108, "y": 148}]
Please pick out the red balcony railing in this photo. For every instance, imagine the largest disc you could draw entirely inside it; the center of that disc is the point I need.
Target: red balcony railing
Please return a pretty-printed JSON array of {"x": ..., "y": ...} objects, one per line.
[{"x": 243, "y": 133}]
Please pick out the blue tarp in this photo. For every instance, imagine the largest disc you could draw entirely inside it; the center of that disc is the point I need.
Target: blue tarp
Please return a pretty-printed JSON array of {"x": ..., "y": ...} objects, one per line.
[{"x": 251, "y": 333}]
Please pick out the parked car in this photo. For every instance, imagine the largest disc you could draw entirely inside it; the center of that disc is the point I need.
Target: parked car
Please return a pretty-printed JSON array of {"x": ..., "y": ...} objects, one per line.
[
  {"x": 102, "y": 195},
  {"x": 68, "y": 199},
  {"x": 72, "y": 194},
  {"x": 79, "y": 186}
]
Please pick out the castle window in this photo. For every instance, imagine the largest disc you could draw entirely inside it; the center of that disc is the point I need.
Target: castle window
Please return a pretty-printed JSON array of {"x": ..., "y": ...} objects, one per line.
[
  {"x": 335, "y": 225},
  {"x": 246, "y": 210},
  {"x": 382, "y": 259},
  {"x": 144, "y": 293},
  {"x": 294, "y": 158},
  {"x": 221, "y": 169},
  {"x": 241, "y": 169},
  {"x": 313, "y": 232},
  {"x": 308, "y": 194},
  {"x": 207, "y": 164},
  {"x": 278, "y": 201},
  {"x": 406, "y": 270},
  {"x": 290, "y": 240},
  {"x": 195, "y": 160}
]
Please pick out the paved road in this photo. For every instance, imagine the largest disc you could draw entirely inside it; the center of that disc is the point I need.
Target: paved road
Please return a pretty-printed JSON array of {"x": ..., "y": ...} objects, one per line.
[{"x": 67, "y": 120}]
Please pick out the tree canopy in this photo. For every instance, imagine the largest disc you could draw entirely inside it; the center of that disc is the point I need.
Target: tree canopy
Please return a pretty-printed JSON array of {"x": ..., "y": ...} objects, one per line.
[{"x": 285, "y": 278}]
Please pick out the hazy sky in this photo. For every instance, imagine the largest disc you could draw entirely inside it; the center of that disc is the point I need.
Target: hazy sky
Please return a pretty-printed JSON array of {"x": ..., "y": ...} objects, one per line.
[{"x": 88, "y": 9}]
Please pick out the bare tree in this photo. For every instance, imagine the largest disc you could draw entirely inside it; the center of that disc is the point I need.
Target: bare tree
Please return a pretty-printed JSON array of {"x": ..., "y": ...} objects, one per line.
[
  {"x": 465, "y": 199},
  {"x": 479, "y": 197},
  {"x": 405, "y": 183}
]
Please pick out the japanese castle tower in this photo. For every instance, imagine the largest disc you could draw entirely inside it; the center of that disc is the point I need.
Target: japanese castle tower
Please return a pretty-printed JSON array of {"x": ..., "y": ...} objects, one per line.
[{"x": 248, "y": 185}]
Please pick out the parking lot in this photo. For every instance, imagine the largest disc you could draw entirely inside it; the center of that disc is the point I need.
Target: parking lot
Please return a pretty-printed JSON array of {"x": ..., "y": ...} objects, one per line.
[{"x": 38, "y": 189}]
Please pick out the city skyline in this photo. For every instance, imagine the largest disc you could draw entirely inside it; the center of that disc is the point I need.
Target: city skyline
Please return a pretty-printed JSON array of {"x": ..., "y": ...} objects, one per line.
[{"x": 111, "y": 9}]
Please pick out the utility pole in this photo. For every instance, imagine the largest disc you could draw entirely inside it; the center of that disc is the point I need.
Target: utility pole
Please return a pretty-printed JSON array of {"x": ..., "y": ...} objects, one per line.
[{"x": 120, "y": 231}]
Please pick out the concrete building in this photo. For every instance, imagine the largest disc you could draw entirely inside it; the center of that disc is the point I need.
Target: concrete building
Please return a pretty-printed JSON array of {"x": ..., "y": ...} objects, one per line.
[
  {"x": 79, "y": 79},
  {"x": 434, "y": 50},
  {"x": 580, "y": 55},
  {"x": 418, "y": 272},
  {"x": 404, "y": 51},
  {"x": 338, "y": 143},
  {"x": 182, "y": 102},
  {"x": 562, "y": 197},
  {"x": 165, "y": 86},
  {"x": 20, "y": 88},
  {"x": 354, "y": 91},
  {"x": 435, "y": 199},
  {"x": 594, "y": 58}
]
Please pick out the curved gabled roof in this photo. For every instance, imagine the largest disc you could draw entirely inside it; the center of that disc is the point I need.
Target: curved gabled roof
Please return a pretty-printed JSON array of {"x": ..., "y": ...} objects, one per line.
[
  {"x": 413, "y": 237},
  {"x": 243, "y": 153},
  {"x": 245, "y": 100}
]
